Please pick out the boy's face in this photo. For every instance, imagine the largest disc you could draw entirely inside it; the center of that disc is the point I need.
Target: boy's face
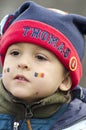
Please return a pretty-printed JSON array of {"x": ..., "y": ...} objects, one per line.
[{"x": 31, "y": 72}]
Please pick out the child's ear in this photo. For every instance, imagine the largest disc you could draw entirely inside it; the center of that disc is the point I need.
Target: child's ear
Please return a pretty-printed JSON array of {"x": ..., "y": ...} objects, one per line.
[{"x": 66, "y": 83}]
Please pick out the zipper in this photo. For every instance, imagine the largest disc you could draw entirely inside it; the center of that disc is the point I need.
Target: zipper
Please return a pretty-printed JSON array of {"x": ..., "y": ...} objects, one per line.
[
  {"x": 15, "y": 125},
  {"x": 28, "y": 115}
]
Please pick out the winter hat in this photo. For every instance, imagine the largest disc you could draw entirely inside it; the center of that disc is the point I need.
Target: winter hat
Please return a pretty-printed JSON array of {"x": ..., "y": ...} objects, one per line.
[{"x": 62, "y": 34}]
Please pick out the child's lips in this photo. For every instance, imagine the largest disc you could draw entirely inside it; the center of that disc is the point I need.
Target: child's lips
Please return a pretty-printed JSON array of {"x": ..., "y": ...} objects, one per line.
[{"x": 21, "y": 78}]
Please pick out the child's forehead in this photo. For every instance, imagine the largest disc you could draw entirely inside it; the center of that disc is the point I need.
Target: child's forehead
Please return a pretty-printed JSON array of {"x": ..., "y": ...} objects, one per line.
[{"x": 26, "y": 44}]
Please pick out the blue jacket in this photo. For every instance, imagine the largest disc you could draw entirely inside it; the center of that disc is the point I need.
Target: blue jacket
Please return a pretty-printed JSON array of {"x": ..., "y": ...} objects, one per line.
[
  {"x": 72, "y": 116},
  {"x": 69, "y": 117}
]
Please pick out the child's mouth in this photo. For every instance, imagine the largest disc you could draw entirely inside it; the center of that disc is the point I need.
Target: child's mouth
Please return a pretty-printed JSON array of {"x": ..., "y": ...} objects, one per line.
[{"x": 21, "y": 78}]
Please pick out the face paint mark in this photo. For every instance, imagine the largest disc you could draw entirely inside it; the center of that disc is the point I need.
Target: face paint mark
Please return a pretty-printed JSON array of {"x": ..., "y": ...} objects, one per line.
[
  {"x": 8, "y": 69},
  {"x": 39, "y": 75}
]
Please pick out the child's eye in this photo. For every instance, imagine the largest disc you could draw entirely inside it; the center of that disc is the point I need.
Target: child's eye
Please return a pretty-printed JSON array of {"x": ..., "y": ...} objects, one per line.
[
  {"x": 41, "y": 57},
  {"x": 15, "y": 53}
]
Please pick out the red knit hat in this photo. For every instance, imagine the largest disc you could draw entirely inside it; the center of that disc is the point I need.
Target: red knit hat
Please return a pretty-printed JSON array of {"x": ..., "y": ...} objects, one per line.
[{"x": 62, "y": 34}]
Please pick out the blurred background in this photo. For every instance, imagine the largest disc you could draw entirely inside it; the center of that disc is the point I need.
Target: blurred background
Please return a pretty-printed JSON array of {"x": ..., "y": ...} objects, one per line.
[{"x": 71, "y": 6}]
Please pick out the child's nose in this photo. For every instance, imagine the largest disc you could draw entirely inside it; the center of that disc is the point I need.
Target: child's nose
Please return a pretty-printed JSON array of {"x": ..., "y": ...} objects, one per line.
[{"x": 24, "y": 66}]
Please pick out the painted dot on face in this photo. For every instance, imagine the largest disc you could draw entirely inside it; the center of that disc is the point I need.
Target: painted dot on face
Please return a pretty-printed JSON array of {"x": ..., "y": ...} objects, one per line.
[{"x": 8, "y": 69}]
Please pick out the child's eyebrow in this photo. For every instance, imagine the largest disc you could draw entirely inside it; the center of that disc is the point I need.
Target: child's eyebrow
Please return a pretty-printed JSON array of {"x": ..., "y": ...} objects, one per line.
[{"x": 13, "y": 47}]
